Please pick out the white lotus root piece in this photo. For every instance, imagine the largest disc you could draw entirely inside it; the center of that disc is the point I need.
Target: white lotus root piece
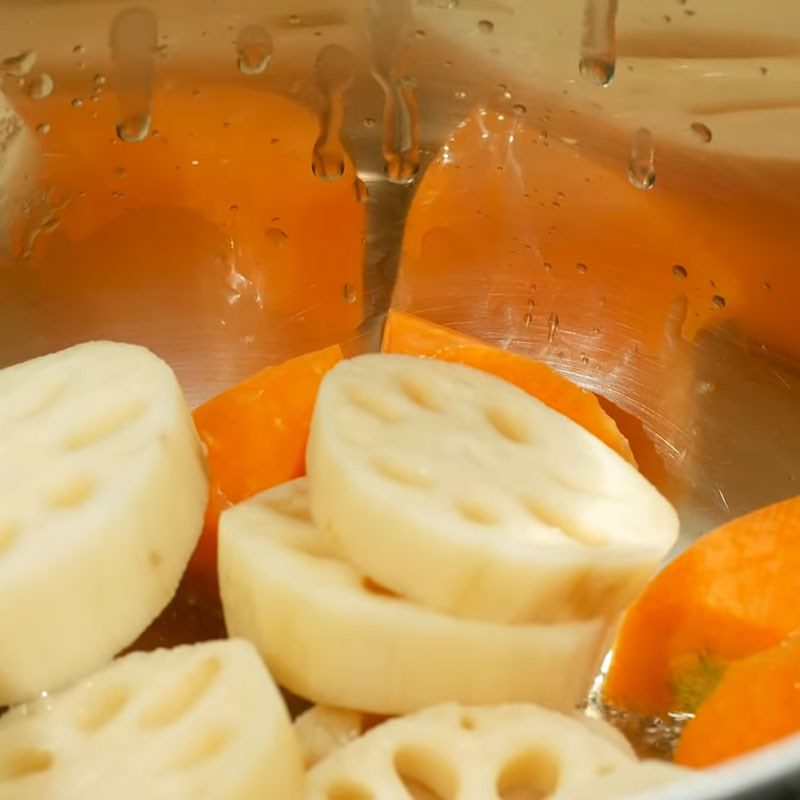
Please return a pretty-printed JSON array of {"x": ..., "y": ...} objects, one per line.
[
  {"x": 451, "y": 752},
  {"x": 323, "y": 729},
  {"x": 102, "y": 493},
  {"x": 332, "y": 636},
  {"x": 200, "y": 722},
  {"x": 461, "y": 491}
]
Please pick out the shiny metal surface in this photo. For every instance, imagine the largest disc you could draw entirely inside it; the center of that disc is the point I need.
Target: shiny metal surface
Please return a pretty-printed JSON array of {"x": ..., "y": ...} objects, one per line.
[{"x": 510, "y": 214}]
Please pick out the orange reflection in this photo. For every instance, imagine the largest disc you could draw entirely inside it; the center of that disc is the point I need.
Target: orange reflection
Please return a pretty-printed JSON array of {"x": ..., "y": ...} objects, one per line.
[
  {"x": 508, "y": 214},
  {"x": 215, "y": 219}
]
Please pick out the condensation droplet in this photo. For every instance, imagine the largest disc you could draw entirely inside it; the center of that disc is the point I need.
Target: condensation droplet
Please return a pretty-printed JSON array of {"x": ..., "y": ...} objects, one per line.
[
  {"x": 598, "y": 56},
  {"x": 120, "y": 172},
  {"x": 520, "y": 110},
  {"x": 361, "y": 191},
  {"x": 389, "y": 22},
  {"x": 349, "y": 293},
  {"x": 767, "y": 286},
  {"x": 582, "y": 268},
  {"x": 552, "y": 327},
  {"x": 679, "y": 272},
  {"x": 369, "y": 122},
  {"x": 460, "y": 94},
  {"x": 294, "y": 19},
  {"x": 547, "y": 266},
  {"x": 596, "y": 331},
  {"x": 134, "y": 129},
  {"x": 584, "y": 359},
  {"x": 40, "y": 87},
  {"x": 641, "y": 166},
  {"x": 527, "y": 320},
  {"x": 276, "y": 237},
  {"x": 254, "y": 50},
  {"x": 705, "y": 387},
  {"x": 100, "y": 79},
  {"x": 134, "y": 39},
  {"x": 333, "y": 73},
  {"x": 718, "y": 302},
  {"x": 20, "y": 65},
  {"x": 486, "y": 26},
  {"x": 79, "y": 49},
  {"x": 76, "y": 102},
  {"x": 701, "y": 132},
  {"x": 43, "y": 128}
]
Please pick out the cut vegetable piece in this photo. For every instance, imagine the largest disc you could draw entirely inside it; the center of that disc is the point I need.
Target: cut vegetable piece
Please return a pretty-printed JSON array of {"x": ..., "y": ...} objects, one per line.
[
  {"x": 459, "y": 490},
  {"x": 198, "y": 722},
  {"x": 256, "y": 435},
  {"x": 323, "y": 729},
  {"x": 731, "y": 594},
  {"x": 410, "y": 335},
  {"x": 756, "y": 702},
  {"x": 332, "y": 636},
  {"x": 102, "y": 491},
  {"x": 468, "y": 753}
]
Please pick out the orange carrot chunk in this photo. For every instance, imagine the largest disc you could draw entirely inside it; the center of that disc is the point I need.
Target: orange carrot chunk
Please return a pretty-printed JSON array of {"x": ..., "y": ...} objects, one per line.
[
  {"x": 405, "y": 333},
  {"x": 733, "y": 593},
  {"x": 256, "y": 436},
  {"x": 756, "y": 702}
]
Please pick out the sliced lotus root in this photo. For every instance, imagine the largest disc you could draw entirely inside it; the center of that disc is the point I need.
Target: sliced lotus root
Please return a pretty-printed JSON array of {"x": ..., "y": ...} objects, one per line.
[
  {"x": 457, "y": 489},
  {"x": 452, "y": 752},
  {"x": 102, "y": 494},
  {"x": 334, "y": 637},
  {"x": 200, "y": 722},
  {"x": 323, "y": 729}
]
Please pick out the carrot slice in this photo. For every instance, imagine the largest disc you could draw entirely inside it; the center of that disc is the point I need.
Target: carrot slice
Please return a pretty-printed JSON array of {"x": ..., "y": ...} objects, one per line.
[
  {"x": 756, "y": 702},
  {"x": 733, "y": 593},
  {"x": 256, "y": 436},
  {"x": 405, "y": 333}
]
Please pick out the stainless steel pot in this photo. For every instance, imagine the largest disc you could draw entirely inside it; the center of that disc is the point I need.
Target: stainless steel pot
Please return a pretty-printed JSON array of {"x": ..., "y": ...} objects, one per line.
[{"x": 612, "y": 190}]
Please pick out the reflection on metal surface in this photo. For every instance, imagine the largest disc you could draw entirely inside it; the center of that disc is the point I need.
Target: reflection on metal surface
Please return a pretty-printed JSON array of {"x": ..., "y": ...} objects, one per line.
[{"x": 221, "y": 251}]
